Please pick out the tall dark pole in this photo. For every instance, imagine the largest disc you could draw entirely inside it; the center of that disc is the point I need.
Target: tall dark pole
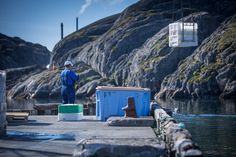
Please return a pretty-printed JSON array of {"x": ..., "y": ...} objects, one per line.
[
  {"x": 77, "y": 23},
  {"x": 61, "y": 30}
]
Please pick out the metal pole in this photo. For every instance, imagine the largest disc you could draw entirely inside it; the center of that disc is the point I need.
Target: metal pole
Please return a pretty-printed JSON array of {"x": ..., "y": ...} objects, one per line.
[
  {"x": 77, "y": 23},
  {"x": 61, "y": 30},
  {"x": 173, "y": 9}
]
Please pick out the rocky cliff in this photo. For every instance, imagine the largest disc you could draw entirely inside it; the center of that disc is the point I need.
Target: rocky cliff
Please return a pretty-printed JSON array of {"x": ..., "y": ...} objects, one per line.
[
  {"x": 47, "y": 83},
  {"x": 17, "y": 75},
  {"x": 132, "y": 49},
  {"x": 209, "y": 71},
  {"x": 16, "y": 53},
  {"x": 75, "y": 42}
]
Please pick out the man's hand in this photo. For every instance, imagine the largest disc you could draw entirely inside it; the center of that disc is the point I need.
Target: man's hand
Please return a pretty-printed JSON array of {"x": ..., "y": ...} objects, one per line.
[{"x": 76, "y": 86}]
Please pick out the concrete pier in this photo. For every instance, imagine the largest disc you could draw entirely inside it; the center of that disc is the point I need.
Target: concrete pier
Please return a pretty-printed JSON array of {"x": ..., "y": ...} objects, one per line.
[{"x": 45, "y": 136}]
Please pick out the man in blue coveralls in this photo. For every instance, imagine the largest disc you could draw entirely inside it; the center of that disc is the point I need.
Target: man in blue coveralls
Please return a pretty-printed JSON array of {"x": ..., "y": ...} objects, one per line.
[{"x": 68, "y": 80}]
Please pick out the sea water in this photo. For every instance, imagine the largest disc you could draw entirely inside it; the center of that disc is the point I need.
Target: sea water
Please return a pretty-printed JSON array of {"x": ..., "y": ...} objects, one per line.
[{"x": 211, "y": 122}]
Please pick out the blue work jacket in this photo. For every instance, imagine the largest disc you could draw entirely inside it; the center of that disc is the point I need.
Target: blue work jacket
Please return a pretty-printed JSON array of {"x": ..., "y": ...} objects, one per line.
[{"x": 68, "y": 78}]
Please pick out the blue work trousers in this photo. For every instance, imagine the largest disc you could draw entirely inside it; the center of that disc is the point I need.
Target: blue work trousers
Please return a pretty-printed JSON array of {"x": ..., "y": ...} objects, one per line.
[{"x": 68, "y": 94}]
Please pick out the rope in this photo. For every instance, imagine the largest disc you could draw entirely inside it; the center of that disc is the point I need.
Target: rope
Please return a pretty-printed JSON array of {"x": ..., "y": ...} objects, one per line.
[
  {"x": 173, "y": 10},
  {"x": 182, "y": 12},
  {"x": 192, "y": 20}
]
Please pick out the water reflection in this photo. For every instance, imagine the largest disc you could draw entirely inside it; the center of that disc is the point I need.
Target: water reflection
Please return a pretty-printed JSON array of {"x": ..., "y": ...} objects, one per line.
[
  {"x": 212, "y": 123},
  {"x": 214, "y": 134},
  {"x": 201, "y": 106}
]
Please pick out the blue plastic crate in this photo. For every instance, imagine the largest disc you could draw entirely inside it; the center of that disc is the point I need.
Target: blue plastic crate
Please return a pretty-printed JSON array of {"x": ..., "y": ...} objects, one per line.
[{"x": 110, "y": 100}]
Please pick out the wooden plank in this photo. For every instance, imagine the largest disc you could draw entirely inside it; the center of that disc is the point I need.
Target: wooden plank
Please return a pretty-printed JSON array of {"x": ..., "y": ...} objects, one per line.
[
  {"x": 17, "y": 114},
  {"x": 12, "y": 116}
]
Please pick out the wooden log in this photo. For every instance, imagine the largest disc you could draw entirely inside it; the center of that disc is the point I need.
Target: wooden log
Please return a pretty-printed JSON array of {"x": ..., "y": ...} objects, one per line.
[{"x": 12, "y": 116}]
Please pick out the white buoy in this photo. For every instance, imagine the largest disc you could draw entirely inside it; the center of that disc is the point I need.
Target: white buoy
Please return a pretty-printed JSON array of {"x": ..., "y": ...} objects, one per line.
[
  {"x": 183, "y": 34},
  {"x": 48, "y": 66},
  {"x": 176, "y": 110}
]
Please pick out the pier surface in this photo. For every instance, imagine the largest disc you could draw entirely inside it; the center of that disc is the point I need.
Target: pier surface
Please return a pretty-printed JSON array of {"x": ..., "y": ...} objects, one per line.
[{"x": 45, "y": 136}]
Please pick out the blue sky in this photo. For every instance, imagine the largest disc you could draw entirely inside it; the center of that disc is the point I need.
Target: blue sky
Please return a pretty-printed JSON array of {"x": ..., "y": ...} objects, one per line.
[{"x": 38, "y": 21}]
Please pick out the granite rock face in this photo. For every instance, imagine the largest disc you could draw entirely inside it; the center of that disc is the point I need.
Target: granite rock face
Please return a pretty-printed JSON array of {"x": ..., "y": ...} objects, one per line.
[
  {"x": 131, "y": 49},
  {"x": 16, "y": 53},
  {"x": 46, "y": 84},
  {"x": 72, "y": 44},
  {"x": 210, "y": 70},
  {"x": 15, "y": 75},
  {"x": 135, "y": 52},
  {"x": 155, "y": 59},
  {"x": 37, "y": 87}
]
